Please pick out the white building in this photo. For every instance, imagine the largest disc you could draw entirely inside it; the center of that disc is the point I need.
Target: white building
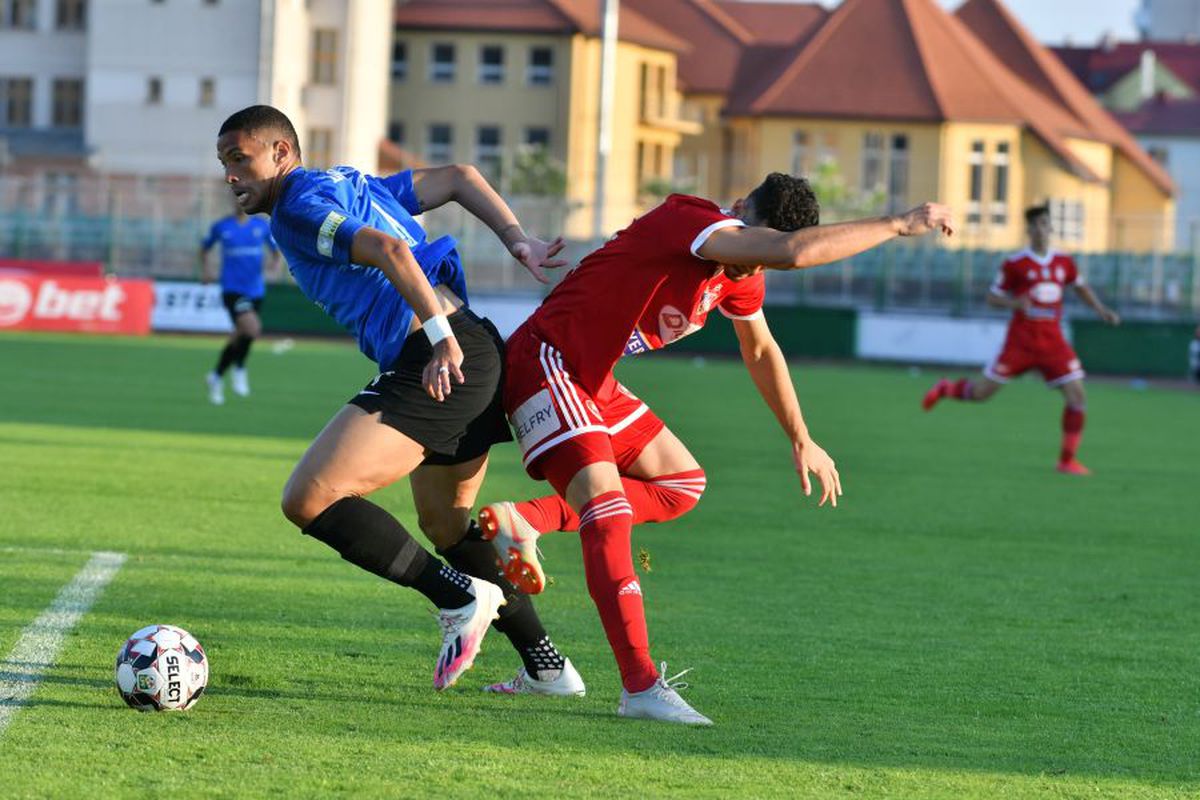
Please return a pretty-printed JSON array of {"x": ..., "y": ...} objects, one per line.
[{"x": 140, "y": 87}]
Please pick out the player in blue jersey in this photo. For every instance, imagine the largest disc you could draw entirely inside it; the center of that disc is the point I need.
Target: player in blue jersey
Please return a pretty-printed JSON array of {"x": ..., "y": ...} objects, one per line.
[
  {"x": 432, "y": 413},
  {"x": 244, "y": 242}
]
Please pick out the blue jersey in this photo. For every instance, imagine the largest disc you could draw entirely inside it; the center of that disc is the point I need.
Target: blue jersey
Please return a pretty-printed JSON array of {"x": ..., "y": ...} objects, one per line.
[
  {"x": 314, "y": 222},
  {"x": 241, "y": 253}
]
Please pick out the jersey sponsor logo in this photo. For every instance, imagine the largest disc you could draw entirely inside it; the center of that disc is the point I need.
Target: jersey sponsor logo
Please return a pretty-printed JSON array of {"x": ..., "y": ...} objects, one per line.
[
  {"x": 333, "y": 221},
  {"x": 636, "y": 344},
  {"x": 709, "y": 299},
  {"x": 674, "y": 324},
  {"x": 15, "y": 300},
  {"x": 534, "y": 420},
  {"x": 1046, "y": 292}
]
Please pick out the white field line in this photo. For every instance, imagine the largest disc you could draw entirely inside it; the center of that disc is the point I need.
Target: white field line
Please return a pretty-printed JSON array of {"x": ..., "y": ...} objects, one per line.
[{"x": 37, "y": 649}]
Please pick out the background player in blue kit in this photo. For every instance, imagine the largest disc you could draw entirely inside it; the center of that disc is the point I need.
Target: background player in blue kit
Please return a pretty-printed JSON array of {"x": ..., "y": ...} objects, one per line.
[
  {"x": 434, "y": 410},
  {"x": 244, "y": 240}
]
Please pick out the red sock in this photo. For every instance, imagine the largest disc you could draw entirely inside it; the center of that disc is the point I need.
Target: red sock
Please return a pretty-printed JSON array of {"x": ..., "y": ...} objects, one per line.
[
  {"x": 608, "y": 565},
  {"x": 962, "y": 389},
  {"x": 1072, "y": 427},
  {"x": 663, "y": 498}
]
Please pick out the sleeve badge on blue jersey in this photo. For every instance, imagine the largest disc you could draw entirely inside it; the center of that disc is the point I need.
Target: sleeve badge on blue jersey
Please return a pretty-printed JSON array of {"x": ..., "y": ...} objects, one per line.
[{"x": 333, "y": 221}]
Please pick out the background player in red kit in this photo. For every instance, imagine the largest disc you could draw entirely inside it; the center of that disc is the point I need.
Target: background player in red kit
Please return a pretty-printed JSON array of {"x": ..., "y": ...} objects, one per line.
[
  {"x": 605, "y": 453},
  {"x": 1032, "y": 284}
]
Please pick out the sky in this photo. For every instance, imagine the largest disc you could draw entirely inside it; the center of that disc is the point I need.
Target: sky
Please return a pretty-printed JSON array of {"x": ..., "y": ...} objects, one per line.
[{"x": 1055, "y": 21}]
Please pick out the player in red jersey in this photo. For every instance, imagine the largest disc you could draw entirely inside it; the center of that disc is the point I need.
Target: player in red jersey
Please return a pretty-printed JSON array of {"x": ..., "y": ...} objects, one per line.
[
  {"x": 1032, "y": 284},
  {"x": 611, "y": 461}
]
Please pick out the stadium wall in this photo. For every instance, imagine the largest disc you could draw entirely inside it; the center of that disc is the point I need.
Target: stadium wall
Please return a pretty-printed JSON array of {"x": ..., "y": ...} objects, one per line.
[{"x": 1152, "y": 349}]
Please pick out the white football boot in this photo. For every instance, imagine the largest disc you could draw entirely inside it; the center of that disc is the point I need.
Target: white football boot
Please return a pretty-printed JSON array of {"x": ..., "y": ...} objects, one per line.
[
  {"x": 216, "y": 389},
  {"x": 239, "y": 381},
  {"x": 567, "y": 683},
  {"x": 515, "y": 541},
  {"x": 463, "y": 630},
  {"x": 661, "y": 702}
]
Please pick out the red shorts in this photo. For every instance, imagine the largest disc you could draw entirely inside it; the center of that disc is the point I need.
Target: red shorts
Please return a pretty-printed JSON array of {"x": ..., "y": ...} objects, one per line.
[
  {"x": 548, "y": 409},
  {"x": 1026, "y": 349}
]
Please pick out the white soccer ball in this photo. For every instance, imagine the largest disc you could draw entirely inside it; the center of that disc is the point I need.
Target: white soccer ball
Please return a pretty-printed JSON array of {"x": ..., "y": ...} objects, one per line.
[{"x": 161, "y": 668}]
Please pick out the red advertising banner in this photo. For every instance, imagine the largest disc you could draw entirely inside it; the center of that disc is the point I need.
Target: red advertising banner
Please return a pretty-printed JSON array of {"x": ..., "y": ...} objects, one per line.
[
  {"x": 86, "y": 305},
  {"x": 75, "y": 269}
]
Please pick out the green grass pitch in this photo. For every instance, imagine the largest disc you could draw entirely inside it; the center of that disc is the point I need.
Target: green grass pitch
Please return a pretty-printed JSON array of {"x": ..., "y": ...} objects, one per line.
[{"x": 968, "y": 623}]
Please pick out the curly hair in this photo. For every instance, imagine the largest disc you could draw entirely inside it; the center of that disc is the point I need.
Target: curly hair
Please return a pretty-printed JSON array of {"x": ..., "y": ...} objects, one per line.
[{"x": 785, "y": 203}]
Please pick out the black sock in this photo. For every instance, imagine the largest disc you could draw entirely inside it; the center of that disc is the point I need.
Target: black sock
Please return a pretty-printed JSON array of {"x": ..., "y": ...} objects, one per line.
[
  {"x": 243, "y": 350},
  {"x": 518, "y": 618},
  {"x": 371, "y": 538},
  {"x": 228, "y": 355},
  {"x": 445, "y": 586}
]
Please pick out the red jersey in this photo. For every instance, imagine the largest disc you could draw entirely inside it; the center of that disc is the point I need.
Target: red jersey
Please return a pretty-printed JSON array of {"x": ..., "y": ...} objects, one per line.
[
  {"x": 645, "y": 288},
  {"x": 1043, "y": 279}
]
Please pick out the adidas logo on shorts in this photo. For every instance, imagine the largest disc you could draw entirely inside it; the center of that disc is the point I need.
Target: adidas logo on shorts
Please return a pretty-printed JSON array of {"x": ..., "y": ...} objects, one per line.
[{"x": 633, "y": 587}]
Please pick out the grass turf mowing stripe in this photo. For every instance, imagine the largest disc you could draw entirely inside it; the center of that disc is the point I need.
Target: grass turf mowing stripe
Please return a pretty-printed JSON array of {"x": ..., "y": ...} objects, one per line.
[{"x": 37, "y": 649}]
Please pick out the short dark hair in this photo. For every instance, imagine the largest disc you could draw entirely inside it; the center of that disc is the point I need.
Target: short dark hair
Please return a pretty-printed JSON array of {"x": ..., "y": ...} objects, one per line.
[
  {"x": 262, "y": 118},
  {"x": 785, "y": 203},
  {"x": 1033, "y": 212}
]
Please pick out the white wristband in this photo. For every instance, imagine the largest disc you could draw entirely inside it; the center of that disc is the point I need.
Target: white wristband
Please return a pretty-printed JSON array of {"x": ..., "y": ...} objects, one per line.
[{"x": 437, "y": 328}]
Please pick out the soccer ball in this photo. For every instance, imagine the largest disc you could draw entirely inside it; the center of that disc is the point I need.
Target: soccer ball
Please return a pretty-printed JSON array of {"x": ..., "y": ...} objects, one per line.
[{"x": 161, "y": 668}]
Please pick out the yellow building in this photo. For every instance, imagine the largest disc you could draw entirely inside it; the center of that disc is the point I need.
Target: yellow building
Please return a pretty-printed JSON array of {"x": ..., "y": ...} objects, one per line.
[
  {"x": 481, "y": 82},
  {"x": 899, "y": 102}
]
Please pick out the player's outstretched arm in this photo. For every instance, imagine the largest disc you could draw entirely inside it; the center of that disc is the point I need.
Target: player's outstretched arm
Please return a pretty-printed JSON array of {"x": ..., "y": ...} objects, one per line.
[
  {"x": 769, "y": 371},
  {"x": 756, "y": 245},
  {"x": 1104, "y": 312},
  {"x": 463, "y": 184},
  {"x": 390, "y": 255}
]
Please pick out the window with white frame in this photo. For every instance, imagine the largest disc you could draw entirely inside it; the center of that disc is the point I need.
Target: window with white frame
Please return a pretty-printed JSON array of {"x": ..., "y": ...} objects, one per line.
[
  {"x": 872, "y": 162},
  {"x": 897, "y": 183},
  {"x": 208, "y": 92},
  {"x": 801, "y": 153},
  {"x": 154, "y": 90},
  {"x": 441, "y": 62},
  {"x": 70, "y": 15},
  {"x": 999, "y": 210},
  {"x": 16, "y": 102},
  {"x": 439, "y": 143},
  {"x": 489, "y": 155},
  {"x": 68, "y": 103},
  {"x": 1067, "y": 220},
  {"x": 491, "y": 64},
  {"x": 540, "y": 70},
  {"x": 399, "y": 61},
  {"x": 18, "y": 15},
  {"x": 324, "y": 57},
  {"x": 319, "y": 150},
  {"x": 537, "y": 138},
  {"x": 975, "y": 190}
]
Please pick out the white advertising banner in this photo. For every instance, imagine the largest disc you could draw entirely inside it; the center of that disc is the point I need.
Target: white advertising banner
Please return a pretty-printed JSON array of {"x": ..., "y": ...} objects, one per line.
[
  {"x": 919, "y": 339},
  {"x": 188, "y": 306}
]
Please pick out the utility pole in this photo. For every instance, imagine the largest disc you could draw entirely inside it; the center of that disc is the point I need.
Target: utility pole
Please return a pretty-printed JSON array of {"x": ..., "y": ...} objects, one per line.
[{"x": 608, "y": 70}]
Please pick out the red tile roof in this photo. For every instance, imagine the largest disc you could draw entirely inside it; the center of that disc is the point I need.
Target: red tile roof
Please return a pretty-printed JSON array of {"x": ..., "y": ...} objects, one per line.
[
  {"x": 1098, "y": 68},
  {"x": 774, "y": 23},
  {"x": 533, "y": 16},
  {"x": 722, "y": 34},
  {"x": 1161, "y": 117}
]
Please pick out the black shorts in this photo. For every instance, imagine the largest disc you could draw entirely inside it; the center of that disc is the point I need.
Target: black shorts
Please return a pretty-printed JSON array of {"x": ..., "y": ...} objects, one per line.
[
  {"x": 237, "y": 304},
  {"x": 471, "y": 419}
]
